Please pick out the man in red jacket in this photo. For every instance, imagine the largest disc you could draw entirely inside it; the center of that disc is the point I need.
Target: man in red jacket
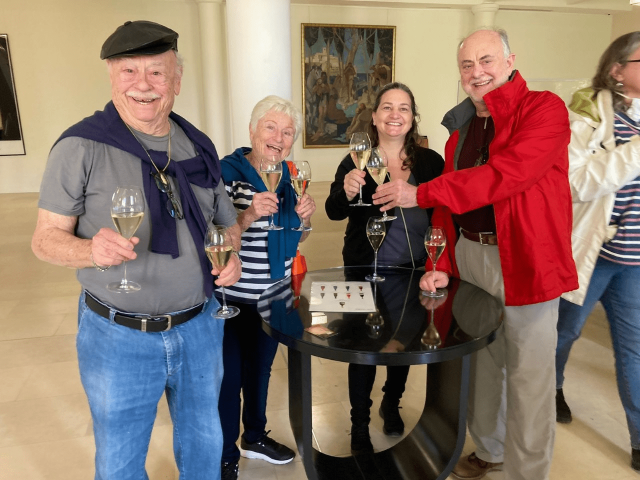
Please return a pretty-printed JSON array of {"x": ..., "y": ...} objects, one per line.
[{"x": 505, "y": 192}]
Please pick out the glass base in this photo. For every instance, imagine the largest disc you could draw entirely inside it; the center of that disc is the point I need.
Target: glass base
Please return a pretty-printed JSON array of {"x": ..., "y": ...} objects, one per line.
[
  {"x": 439, "y": 293},
  {"x": 388, "y": 218},
  {"x": 374, "y": 278},
  {"x": 360, "y": 204},
  {"x": 124, "y": 286},
  {"x": 302, "y": 229},
  {"x": 272, "y": 227},
  {"x": 227, "y": 312}
]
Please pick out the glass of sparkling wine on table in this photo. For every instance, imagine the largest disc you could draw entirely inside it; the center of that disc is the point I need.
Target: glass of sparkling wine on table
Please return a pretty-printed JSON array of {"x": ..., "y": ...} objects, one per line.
[
  {"x": 271, "y": 173},
  {"x": 377, "y": 167},
  {"x": 300, "y": 179},
  {"x": 376, "y": 232},
  {"x": 434, "y": 243},
  {"x": 127, "y": 212},
  {"x": 219, "y": 248},
  {"x": 360, "y": 148}
]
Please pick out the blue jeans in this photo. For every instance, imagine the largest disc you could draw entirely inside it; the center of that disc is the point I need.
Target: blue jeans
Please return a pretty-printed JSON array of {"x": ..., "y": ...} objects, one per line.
[
  {"x": 125, "y": 372},
  {"x": 248, "y": 356},
  {"x": 616, "y": 286}
]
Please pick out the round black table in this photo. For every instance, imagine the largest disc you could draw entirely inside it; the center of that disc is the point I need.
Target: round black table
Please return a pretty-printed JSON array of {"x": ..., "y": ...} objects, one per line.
[{"x": 403, "y": 328}]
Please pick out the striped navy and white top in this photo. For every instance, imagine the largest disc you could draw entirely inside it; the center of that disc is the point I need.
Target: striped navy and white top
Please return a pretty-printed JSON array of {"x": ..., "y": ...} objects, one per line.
[
  {"x": 624, "y": 248},
  {"x": 256, "y": 276}
]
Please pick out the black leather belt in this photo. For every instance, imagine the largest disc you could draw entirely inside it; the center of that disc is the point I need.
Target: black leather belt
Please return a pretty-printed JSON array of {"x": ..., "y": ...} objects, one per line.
[
  {"x": 145, "y": 323},
  {"x": 483, "y": 238}
]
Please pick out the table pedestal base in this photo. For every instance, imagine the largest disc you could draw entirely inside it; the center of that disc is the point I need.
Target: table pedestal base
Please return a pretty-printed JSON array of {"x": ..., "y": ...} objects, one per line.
[{"x": 429, "y": 452}]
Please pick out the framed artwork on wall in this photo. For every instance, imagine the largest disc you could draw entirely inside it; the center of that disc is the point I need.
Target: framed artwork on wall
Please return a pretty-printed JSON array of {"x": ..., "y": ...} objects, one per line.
[
  {"x": 11, "y": 140},
  {"x": 343, "y": 67}
]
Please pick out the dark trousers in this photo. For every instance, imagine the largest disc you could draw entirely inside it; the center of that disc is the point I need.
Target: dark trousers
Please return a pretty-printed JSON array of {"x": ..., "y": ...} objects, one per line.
[
  {"x": 248, "y": 354},
  {"x": 361, "y": 378}
]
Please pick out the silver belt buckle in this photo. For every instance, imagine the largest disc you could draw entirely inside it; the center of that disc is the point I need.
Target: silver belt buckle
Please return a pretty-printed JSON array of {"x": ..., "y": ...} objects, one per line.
[
  {"x": 145, "y": 319},
  {"x": 480, "y": 234}
]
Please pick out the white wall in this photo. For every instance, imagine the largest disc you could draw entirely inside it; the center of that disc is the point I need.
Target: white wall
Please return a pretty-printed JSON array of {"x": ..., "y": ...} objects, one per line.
[
  {"x": 625, "y": 22},
  {"x": 60, "y": 79}
]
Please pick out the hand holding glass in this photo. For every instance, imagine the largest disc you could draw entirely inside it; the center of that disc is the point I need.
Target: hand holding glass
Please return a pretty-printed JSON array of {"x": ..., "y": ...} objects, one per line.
[
  {"x": 434, "y": 243},
  {"x": 300, "y": 179},
  {"x": 271, "y": 173},
  {"x": 376, "y": 232},
  {"x": 127, "y": 212},
  {"x": 218, "y": 247},
  {"x": 360, "y": 147},
  {"x": 377, "y": 167}
]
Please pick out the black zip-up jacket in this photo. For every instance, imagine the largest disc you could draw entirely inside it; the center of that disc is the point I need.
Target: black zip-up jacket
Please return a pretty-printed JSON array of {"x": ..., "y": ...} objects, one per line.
[{"x": 357, "y": 250}]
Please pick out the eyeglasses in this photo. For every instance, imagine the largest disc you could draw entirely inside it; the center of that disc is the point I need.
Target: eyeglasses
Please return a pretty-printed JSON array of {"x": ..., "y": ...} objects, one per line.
[
  {"x": 173, "y": 204},
  {"x": 632, "y": 61},
  {"x": 484, "y": 155}
]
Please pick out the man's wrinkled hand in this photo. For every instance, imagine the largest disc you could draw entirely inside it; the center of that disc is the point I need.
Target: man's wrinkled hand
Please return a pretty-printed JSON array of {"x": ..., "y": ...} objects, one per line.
[
  {"x": 396, "y": 193},
  {"x": 109, "y": 248}
]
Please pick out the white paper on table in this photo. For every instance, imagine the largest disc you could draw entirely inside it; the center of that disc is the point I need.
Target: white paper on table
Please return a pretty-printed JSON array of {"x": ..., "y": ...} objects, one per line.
[{"x": 341, "y": 297}]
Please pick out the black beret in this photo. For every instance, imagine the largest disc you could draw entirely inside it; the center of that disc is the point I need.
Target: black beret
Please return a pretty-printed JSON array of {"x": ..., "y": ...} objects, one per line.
[{"x": 139, "y": 38}]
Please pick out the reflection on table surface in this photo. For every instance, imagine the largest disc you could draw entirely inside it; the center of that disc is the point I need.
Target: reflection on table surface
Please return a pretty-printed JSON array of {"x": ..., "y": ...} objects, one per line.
[{"x": 397, "y": 331}]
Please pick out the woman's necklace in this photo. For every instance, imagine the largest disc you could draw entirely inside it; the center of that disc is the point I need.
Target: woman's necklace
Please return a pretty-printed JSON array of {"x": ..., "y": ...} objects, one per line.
[{"x": 160, "y": 172}]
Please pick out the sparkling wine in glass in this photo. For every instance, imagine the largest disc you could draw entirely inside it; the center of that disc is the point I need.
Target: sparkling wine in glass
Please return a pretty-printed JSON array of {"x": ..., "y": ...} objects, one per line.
[
  {"x": 300, "y": 179},
  {"x": 360, "y": 147},
  {"x": 218, "y": 247},
  {"x": 377, "y": 167},
  {"x": 271, "y": 173},
  {"x": 376, "y": 232},
  {"x": 127, "y": 212},
  {"x": 434, "y": 243}
]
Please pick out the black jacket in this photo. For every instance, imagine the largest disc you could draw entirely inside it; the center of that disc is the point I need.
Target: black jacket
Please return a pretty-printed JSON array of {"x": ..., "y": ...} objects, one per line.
[{"x": 357, "y": 250}]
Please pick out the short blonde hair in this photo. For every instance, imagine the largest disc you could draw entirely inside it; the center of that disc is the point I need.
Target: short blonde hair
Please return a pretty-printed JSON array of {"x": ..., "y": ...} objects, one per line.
[{"x": 278, "y": 104}]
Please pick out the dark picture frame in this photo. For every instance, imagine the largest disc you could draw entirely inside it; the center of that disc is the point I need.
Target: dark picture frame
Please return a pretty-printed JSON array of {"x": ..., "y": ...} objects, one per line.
[
  {"x": 343, "y": 67},
  {"x": 11, "y": 139}
]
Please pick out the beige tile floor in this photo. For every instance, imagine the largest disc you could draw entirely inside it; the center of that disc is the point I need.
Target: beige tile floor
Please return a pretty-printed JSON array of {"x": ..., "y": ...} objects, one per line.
[{"x": 45, "y": 425}]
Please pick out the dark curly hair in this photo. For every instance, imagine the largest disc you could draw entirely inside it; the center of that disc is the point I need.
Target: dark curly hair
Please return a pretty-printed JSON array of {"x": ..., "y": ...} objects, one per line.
[
  {"x": 618, "y": 52},
  {"x": 412, "y": 139}
]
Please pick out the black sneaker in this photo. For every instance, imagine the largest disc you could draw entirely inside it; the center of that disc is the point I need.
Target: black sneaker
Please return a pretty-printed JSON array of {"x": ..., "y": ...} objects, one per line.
[
  {"x": 393, "y": 424},
  {"x": 635, "y": 459},
  {"x": 229, "y": 471},
  {"x": 266, "y": 449},
  {"x": 360, "y": 440},
  {"x": 563, "y": 412}
]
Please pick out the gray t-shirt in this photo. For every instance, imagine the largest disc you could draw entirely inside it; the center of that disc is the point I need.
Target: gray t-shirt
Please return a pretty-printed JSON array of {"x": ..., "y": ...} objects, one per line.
[{"x": 79, "y": 181}]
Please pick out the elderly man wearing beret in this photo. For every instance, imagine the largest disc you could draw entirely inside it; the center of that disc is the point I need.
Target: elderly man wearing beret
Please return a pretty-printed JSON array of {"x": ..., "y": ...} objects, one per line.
[{"x": 164, "y": 338}]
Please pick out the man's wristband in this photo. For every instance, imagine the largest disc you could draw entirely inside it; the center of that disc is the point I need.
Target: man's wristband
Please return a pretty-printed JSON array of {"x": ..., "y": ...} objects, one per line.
[{"x": 98, "y": 267}]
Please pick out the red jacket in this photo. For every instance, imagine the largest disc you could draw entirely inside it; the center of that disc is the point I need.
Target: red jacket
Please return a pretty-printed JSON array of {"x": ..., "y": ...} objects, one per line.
[{"x": 526, "y": 180}]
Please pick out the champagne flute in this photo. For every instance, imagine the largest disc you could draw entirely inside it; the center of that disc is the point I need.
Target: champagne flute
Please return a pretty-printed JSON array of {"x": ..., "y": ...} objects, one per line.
[
  {"x": 434, "y": 243},
  {"x": 360, "y": 147},
  {"x": 300, "y": 179},
  {"x": 377, "y": 167},
  {"x": 127, "y": 212},
  {"x": 218, "y": 247},
  {"x": 271, "y": 173},
  {"x": 375, "y": 232}
]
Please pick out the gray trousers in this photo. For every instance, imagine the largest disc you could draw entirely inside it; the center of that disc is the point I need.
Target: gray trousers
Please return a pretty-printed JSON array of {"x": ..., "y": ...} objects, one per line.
[{"x": 512, "y": 395}]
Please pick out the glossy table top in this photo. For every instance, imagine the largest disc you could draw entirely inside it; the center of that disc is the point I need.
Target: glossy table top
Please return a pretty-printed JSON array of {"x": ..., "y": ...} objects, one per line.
[{"x": 402, "y": 329}]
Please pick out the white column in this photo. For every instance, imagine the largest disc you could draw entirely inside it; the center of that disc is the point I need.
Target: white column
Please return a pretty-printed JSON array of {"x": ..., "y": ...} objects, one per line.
[
  {"x": 259, "y": 53},
  {"x": 484, "y": 14},
  {"x": 213, "y": 47}
]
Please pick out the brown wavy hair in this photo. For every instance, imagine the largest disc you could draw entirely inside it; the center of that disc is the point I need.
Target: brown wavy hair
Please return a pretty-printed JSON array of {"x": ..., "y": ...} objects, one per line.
[
  {"x": 618, "y": 52},
  {"x": 412, "y": 139}
]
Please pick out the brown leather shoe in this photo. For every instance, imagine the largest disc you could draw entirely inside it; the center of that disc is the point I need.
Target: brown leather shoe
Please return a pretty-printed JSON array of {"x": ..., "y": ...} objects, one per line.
[{"x": 472, "y": 468}]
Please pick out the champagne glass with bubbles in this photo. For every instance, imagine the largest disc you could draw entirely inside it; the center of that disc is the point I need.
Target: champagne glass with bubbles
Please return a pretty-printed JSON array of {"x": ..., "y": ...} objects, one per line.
[
  {"x": 434, "y": 243},
  {"x": 376, "y": 232},
  {"x": 127, "y": 212},
  {"x": 377, "y": 167},
  {"x": 271, "y": 173},
  {"x": 300, "y": 179},
  {"x": 360, "y": 147},
  {"x": 219, "y": 248}
]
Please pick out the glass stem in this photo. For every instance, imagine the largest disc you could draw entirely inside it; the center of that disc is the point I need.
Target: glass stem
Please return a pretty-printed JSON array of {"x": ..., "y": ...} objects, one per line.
[
  {"x": 375, "y": 263},
  {"x": 124, "y": 276},
  {"x": 271, "y": 224},
  {"x": 360, "y": 199},
  {"x": 434, "y": 277},
  {"x": 224, "y": 300}
]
